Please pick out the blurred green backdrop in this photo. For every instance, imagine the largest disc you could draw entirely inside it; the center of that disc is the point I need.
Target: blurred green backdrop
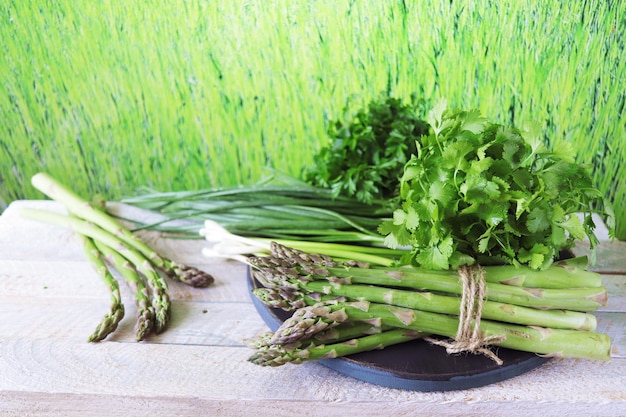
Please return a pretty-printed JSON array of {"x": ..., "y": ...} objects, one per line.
[{"x": 108, "y": 96}]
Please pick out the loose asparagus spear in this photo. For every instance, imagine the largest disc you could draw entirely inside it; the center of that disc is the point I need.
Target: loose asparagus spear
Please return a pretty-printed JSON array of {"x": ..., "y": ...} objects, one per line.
[
  {"x": 145, "y": 312},
  {"x": 85, "y": 210},
  {"x": 109, "y": 322},
  {"x": 158, "y": 286}
]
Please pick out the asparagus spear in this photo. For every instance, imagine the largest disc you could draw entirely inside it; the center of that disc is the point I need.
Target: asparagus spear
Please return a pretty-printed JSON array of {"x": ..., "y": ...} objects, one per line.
[
  {"x": 428, "y": 301},
  {"x": 109, "y": 322},
  {"x": 298, "y": 352},
  {"x": 567, "y": 273},
  {"x": 145, "y": 312},
  {"x": 299, "y": 265},
  {"x": 158, "y": 287},
  {"x": 337, "y": 334},
  {"x": 307, "y": 321},
  {"x": 341, "y": 340},
  {"x": 85, "y": 210},
  {"x": 585, "y": 299},
  {"x": 287, "y": 281},
  {"x": 287, "y": 299},
  {"x": 546, "y": 341}
]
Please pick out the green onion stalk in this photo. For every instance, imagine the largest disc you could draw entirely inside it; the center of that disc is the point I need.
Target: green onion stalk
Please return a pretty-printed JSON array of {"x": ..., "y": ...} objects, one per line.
[
  {"x": 278, "y": 207},
  {"x": 225, "y": 244}
]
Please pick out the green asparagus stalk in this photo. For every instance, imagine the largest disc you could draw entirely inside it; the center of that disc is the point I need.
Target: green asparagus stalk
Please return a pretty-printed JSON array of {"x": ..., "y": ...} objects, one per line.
[
  {"x": 540, "y": 340},
  {"x": 85, "y": 210},
  {"x": 566, "y": 273},
  {"x": 287, "y": 299},
  {"x": 298, "y": 352},
  {"x": 341, "y": 340},
  {"x": 337, "y": 334},
  {"x": 328, "y": 288},
  {"x": 346, "y": 331},
  {"x": 109, "y": 322},
  {"x": 428, "y": 301},
  {"x": 158, "y": 287},
  {"x": 287, "y": 295},
  {"x": 145, "y": 312},
  {"x": 287, "y": 281},
  {"x": 299, "y": 265},
  {"x": 306, "y": 322},
  {"x": 584, "y": 299},
  {"x": 563, "y": 274}
]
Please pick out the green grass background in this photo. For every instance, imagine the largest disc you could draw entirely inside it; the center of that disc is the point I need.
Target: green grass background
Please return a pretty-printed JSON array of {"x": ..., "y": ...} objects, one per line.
[{"x": 108, "y": 96}]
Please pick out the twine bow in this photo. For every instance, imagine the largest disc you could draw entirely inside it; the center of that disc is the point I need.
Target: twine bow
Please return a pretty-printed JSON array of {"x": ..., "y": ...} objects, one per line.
[{"x": 469, "y": 338}]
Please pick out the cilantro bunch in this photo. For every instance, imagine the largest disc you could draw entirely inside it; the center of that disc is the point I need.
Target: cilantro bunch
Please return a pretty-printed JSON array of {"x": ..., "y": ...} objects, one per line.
[
  {"x": 476, "y": 191},
  {"x": 365, "y": 155}
]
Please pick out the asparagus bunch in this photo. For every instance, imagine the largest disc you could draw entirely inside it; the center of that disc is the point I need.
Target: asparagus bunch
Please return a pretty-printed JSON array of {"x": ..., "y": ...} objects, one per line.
[
  {"x": 106, "y": 239},
  {"x": 553, "y": 320}
]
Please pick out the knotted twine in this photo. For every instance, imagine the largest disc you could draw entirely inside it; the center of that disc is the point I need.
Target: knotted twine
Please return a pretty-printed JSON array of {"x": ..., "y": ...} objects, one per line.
[{"x": 469, "y": 338}]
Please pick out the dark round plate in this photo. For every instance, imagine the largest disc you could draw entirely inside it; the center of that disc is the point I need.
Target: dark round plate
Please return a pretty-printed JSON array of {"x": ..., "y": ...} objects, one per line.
[{"x": 416, "y": 365}]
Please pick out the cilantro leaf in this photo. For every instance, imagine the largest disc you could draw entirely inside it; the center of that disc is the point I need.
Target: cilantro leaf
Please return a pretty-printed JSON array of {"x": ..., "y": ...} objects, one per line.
[
  {"x": 573, "y": 226},
  {"x": 538, "y": 220},
  {"x": 479, "y": 191},
  {"x": 436, "y": 256}
]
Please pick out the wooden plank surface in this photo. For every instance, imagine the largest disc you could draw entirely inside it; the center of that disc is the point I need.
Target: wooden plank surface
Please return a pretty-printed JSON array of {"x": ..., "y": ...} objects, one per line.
[{"x": 51, "y": 299}]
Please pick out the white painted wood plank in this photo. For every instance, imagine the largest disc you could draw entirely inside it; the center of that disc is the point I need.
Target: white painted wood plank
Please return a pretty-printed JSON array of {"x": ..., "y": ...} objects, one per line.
[
  {"x": 52, "y": 354},
  {"x": 223, "y": 374},
  {"x": 616, "y": 287},
  {"x": 610, "y": 257},
  {"x": 73, "y": 405},
  {"x": 193, "y": 323},
  {"x": 46, "y": 278},
  {"x": 614, "y": 325}
]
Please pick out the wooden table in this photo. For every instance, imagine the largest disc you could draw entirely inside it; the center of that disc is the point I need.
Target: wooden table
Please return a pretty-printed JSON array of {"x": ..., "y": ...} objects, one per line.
[{"x": 51, "y": 299}]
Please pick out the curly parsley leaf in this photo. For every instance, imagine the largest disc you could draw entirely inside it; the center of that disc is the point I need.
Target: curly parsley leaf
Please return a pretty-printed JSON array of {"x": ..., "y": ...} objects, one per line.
[{"x": 365, "y": 153}]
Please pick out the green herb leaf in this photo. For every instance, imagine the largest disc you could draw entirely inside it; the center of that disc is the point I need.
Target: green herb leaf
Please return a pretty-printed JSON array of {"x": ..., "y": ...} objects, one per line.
[
  {"x": 366, "y": 153},
  {"x": 479, "y": 191}
]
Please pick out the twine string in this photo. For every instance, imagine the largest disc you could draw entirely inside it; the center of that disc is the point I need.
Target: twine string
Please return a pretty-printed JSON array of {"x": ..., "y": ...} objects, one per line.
[{"x": 469, "y": 337}]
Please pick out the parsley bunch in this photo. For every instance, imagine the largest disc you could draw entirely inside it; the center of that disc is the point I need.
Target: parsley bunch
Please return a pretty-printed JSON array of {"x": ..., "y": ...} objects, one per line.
[
  {"x": 365, "y": 155},
  {"x": 477, "y": 191}
]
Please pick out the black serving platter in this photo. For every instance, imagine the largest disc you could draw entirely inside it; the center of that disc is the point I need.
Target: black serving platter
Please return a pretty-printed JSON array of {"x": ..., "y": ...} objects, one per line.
[{"x": 416, "y": 365}]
